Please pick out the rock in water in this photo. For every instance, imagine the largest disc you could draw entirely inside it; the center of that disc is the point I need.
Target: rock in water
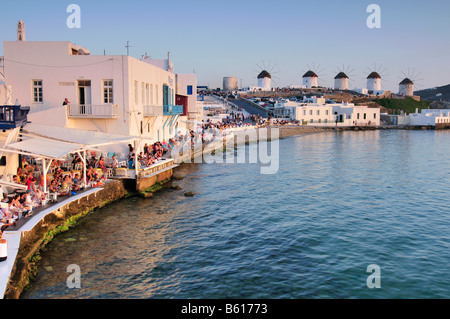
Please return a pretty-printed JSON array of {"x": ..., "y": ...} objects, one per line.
[
  {"x": 176, "y": 187},
  {"x": 189, "y": 194}
]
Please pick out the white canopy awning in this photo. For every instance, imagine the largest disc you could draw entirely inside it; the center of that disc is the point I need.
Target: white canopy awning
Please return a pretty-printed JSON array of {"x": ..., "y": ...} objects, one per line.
[
  {"x": 83, "y": 137},
  {"x": 45, "y": 147}
]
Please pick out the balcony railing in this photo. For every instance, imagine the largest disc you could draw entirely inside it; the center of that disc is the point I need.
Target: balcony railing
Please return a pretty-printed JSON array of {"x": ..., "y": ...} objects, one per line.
[
  {"x": 173, "y": 109},
  {"x": 104, "y": 111},
  {"x": 153, "y": 110},
  {"x": 12, "y": 116}
]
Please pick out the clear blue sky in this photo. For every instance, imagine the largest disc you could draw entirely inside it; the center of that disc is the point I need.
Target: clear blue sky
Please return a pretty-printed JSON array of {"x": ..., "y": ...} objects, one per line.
[{"x": 236, "y": 38}]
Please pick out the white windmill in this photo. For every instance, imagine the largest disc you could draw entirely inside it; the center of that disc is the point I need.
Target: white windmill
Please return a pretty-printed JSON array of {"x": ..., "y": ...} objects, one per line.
[
  {"x": 310, "y": 78},
  {"x": 406, "y": 86},
  {"x": 266, "y": 76}
]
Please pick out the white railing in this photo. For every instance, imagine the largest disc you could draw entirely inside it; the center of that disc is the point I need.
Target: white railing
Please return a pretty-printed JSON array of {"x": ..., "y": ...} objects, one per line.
[
  {"x": 155, "y": 168},
  {"x": 92, "y": 111},
  {"x": 153, "y": 110}
]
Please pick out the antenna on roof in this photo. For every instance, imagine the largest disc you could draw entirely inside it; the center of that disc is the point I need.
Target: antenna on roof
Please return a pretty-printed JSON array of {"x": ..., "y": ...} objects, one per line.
[{"x": 128, "y": 46}]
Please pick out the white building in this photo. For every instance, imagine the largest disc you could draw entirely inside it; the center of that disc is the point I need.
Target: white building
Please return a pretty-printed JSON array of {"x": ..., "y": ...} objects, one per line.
[
  {"x": 316, "y": 112},
  {"x": 230, "y": 83},
  {"x": 406, "y": 87},
  {"x": 429, "y": 117},
  {"x": 310, "y": 80},
  {"x": 107, "y": 93},
  {"x": 341, "y": 81}
]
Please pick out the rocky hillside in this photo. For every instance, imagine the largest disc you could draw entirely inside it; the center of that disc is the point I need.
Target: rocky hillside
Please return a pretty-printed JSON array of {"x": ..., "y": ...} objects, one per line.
[{"x": 435, "y": 94}]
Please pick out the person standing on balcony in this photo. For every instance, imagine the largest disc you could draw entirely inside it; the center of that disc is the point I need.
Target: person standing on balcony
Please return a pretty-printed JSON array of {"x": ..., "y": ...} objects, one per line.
[{"x": 66, "y": 102}]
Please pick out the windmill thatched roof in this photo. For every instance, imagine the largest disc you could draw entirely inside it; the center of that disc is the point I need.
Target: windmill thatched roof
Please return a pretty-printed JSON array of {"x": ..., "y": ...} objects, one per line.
[
  {"x": 341, "y": 75},
  {"x": 374, "y": 75},
  {"x": 406, "y": 81},
  {"x": 264, "y": 74},
  {"x": 310, "y": 74}
]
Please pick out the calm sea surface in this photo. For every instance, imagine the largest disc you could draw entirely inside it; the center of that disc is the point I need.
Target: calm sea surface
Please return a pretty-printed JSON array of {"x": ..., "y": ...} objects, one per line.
[{"x": 339, "y": 203}]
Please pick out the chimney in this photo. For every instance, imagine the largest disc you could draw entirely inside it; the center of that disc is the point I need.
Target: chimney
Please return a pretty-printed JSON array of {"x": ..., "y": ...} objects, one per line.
[{"x": 20, "y": 31}]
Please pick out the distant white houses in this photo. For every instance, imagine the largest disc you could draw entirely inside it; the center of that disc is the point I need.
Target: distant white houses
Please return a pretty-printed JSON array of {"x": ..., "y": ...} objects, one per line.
[
  {"x": 429, "y": 117},
  {"x": 107, "y": 93},
  {"x": 316, "y": 112}
]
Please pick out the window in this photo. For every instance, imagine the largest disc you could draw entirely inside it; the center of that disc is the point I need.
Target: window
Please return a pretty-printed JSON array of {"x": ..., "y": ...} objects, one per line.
[
  {"x": 310, "y": 112},
  {"x": 165, "y": 93},
  {"x": 357, "y": 116},
  {"x": 374, "y": 115},
  {"x": 364, "y": 115},
  {"x": 189, "y": 89},
  {"x": 326, "y": 112},
  {"x": 151, "y": 94},
  {"x": 108, "y": 97},
  {"x": 318, "y": 112},
  {"x": 37, "y": 91},
  {"x": 136, "y": 92},
  {"x": 304, "y": 112}
]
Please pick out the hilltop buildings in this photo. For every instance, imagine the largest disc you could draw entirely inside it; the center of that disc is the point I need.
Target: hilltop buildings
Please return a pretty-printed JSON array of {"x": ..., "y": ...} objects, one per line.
[{"x": 317, "y": 112}]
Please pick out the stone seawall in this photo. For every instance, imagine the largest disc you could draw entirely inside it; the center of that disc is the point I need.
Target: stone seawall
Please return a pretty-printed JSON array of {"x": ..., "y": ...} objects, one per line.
[{"x": 42, "y": 233}]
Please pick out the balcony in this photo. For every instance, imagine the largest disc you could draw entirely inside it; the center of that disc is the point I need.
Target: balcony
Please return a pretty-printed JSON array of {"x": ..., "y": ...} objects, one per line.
[
  {"x": 173, "y": 109},
  {"x": 12, "y": 116},
  {"x": 153, "y": 110},
  {"x": 89, "y": 111}
]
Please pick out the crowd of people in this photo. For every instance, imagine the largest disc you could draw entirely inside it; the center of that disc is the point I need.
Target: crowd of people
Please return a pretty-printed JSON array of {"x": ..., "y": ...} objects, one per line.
[
  {"x": 152, "y": 153},
  {"x": 64, "y": 180}
]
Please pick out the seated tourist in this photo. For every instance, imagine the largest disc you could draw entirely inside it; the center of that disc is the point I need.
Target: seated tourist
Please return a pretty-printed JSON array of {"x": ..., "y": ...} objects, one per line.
[
  {"x": 77, "y": 160},
  {"x": 65, "y": 186},
  {"x": 76, "y": 183},
  {"x": 92, "y": 175},
  {"x": 28, "y": 200},
  {"x": 16, "y": 207},
  {"x": 101, "y": 164},
  {"x": 39, "y": 196},
  {"x": 93, "y": 161},
  {"x": 53, "y": 188}
]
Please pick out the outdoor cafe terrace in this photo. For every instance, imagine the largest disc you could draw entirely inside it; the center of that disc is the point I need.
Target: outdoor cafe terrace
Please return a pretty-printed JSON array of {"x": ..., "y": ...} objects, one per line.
[{"x": 59, "y": 164}]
